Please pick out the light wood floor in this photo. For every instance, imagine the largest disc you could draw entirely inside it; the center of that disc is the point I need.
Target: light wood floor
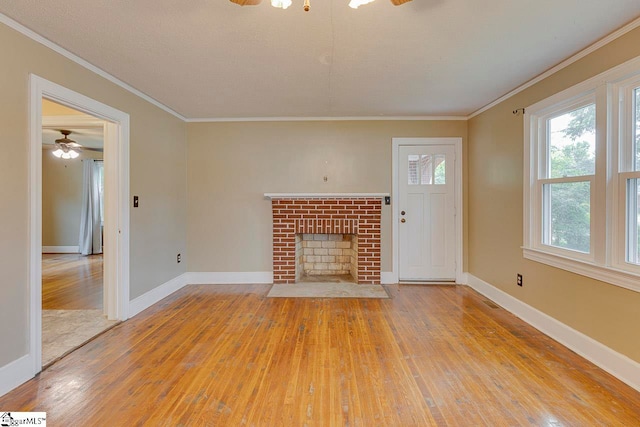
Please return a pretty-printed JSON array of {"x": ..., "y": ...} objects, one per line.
[
  {"x": 71, "y": 282},
  {"x": 228, "y": 356}
]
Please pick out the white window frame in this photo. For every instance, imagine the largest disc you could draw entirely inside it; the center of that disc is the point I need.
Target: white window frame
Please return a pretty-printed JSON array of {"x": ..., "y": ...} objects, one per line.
[
  {"x": 623, "y": 169},
  {"x": 606, "y": 261}
]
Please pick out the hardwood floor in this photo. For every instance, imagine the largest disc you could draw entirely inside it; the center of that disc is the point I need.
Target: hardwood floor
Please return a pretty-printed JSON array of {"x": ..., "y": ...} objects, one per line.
[
  {"x": 228, "y": 356},
  {"x": 71, "y": 282}
]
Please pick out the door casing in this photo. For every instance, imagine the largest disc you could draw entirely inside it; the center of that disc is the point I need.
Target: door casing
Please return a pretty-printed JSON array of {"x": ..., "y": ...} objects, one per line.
[
  {"x": 456, "y": 142},
  {"x": 116, "y": 227}
]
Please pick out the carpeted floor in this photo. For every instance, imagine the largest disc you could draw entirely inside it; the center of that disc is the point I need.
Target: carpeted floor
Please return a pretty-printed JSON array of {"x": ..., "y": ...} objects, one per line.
[
  {"x": 65, "y": 330},
  {"x": 327, "y": 290}
]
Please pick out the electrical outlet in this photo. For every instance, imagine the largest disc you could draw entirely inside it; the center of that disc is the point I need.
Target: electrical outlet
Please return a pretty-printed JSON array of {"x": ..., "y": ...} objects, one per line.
[
  {"x": 179, "y": 258},
  {"x": 519, "y": 280}
]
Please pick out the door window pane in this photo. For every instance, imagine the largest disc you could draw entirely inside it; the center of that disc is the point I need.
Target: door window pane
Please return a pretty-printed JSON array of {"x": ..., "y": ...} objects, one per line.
[
  {"x": 568, "y": 215},
  {"x": 414, "y": 160},
  {"x": 572, "y": 143},
  {"x": 440, "y": 172},
  {"x": 426, "y": 169}
]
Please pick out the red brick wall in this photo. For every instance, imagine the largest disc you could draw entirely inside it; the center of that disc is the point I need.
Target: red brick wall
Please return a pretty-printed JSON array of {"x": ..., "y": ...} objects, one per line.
[{"x": 328, "y": 216}]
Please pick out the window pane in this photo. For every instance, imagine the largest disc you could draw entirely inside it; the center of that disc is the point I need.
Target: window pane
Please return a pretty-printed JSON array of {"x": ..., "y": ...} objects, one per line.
[
  {"x": 572, "y": 143},
  {"x": 413, "y": 169},
  {"x": 568, "y": 215},
  {"x": 440, "y": 173},
  {"x": 426, "y": 169},
  {"x": 633, "y": 221},
  {"x": 636, "y": 128}
]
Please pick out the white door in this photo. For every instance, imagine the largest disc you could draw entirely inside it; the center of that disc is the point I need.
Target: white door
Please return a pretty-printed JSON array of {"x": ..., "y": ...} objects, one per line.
[{"x": 427, "y": 212}]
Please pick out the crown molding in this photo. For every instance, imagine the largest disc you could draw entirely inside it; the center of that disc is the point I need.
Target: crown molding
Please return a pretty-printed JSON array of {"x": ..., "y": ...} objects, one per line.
[
  {"x": 83, "y": 63},
  {"x": 324, "y": 119},
  {"x": 564, "y": 64}
]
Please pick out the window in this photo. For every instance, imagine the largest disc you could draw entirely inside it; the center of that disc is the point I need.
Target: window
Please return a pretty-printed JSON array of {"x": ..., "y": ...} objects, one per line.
[
  {"x": 431, "y": 169},
  {"x": 582, "y": 178},
  {"x": 567, "y": 177}
]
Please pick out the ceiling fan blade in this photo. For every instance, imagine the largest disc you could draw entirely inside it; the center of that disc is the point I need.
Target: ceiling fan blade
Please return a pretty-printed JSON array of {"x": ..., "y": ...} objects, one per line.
[
  {"x": 99, "y": 150},
  {"x": 246, "y": 2},
  {"x": 65, "y": 141},
  {"x": 399, "y": 2}
]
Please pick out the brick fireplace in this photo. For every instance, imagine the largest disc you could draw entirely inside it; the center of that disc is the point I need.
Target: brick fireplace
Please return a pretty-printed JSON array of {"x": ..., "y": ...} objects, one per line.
[{"x": 297, "y": 215}]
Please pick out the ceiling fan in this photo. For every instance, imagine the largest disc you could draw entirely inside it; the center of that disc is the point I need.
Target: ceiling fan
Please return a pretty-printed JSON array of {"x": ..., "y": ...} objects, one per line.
[
  {"x": 286, "y": 3},
  {"x": 67, "y": 148}
]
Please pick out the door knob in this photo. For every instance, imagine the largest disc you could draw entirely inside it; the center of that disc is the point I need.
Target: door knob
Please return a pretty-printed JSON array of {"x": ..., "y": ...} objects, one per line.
[
  {"x": 403, "y": 220},
  {"x": 402, "y": 213}
]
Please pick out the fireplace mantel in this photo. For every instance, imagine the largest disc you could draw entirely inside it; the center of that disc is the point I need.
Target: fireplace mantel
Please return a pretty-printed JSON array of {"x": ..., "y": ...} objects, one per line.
[{"x": 276, "y": 196}]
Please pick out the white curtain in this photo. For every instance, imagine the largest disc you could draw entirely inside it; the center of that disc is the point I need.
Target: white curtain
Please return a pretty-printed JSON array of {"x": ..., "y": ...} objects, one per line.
[{"x": 90, "y": 217}]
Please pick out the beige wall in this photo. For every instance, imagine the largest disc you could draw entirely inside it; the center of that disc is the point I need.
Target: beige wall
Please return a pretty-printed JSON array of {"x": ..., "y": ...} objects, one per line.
[
  {"x": 158, "y": 176},
  {"x": 231, "y": 166},
  {"x": 606, "y": 313},
  {"x": 62, "y": 198}
]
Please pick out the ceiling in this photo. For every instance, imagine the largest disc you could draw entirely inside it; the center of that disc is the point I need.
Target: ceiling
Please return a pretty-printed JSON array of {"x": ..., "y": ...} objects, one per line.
[
  {"x": 86, "y": 130},
  {"x": 210, "y": 59}
]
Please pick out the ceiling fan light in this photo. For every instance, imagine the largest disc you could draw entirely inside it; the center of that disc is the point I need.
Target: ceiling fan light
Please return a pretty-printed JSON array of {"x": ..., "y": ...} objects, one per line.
[
  {"x": 58, "y": 153},
  {"x": 355, "y": 3},
  {"x": 66, "y": 156},
  {"x": 282, "y": 4},
  {"x": 73, "y": 154}
]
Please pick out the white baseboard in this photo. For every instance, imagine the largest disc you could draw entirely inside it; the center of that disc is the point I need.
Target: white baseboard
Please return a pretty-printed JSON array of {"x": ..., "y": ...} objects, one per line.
[
  {"x": 15, "y": 373},
  {"x": 618, "y": 365},
  {"x": 229, "y": 278},
  {"x": 60, "y": 249},
  {"x": 462, "y": 278},
  {"x": 147, "y": 299},
  {"x": 387, "y": 278}
]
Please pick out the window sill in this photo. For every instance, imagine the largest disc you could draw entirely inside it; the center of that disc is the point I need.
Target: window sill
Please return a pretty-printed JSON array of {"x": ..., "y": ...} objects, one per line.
[{"x": 610, "y": 275}]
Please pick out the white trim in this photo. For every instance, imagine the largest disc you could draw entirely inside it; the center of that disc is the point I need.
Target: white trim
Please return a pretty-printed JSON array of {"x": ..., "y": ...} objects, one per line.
[
  {"x": 146, "y": 300},
  {"x": 15, "y": 373},
  {"x": 618, "y": 365},
  {"x": 463, "y": 279},
  {"x": 459, "y": 206},
  {"x": 324, "y": 195},
  {"x": 116, "y": 221},
  {"x": 387, "y": 278},
  {"x": 610, "y": 275},
  {"x": 60, "y": 250},
  {"x": 83, "y": 63},
  {"x": 229, "y": 278},
  {"x": 564, "y": 64},
  {"x": 323, "y": 119},
  {"x": 116, "y": 230}
]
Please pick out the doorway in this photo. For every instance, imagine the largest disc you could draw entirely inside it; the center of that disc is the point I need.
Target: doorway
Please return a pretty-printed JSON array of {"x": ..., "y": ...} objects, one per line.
[
  {"x": 116, "y": 214},
  {"x": 427, "y": 242},
  {"x": 73, "y": 311}
]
